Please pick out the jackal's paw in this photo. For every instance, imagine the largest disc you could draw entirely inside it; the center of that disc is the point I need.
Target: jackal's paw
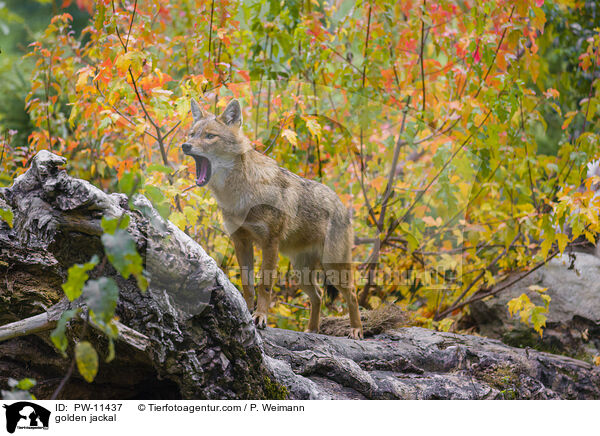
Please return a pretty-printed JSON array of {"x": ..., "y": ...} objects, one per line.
[
  {"x": 260, "y": 319},
  {"x": 311, "y": 331},
  {"x": 356, "y": 333}
]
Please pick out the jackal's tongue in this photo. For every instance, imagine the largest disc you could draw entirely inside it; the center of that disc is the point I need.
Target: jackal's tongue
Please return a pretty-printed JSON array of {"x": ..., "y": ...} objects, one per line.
[{"x": 202, "y": 171}]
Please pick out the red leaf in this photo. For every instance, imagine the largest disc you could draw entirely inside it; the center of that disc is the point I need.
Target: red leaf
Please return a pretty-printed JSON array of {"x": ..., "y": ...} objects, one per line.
[
  {"x": 476, "y": 55},
  {"x": 244, "y": 74}
]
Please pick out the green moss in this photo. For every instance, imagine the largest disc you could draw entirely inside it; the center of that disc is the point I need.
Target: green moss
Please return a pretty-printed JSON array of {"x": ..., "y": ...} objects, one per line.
[
  {"x": 505, "y": 378},
  {"x": 528, "y": 338},
  {"x": 273, "y": 390}
]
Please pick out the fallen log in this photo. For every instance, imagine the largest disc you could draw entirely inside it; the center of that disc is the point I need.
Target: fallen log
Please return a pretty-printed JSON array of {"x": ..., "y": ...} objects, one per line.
[{"x": 191, "y": 336}]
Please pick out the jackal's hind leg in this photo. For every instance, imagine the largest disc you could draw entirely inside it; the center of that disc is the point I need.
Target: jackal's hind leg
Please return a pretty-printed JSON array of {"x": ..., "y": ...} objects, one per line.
[
  {"x": 314, "y": 294},
  {"x": 342, "y": 280}
]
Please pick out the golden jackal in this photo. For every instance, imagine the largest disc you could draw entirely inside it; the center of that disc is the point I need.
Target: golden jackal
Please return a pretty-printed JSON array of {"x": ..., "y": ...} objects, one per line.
[{"x": 274, "y": 208}]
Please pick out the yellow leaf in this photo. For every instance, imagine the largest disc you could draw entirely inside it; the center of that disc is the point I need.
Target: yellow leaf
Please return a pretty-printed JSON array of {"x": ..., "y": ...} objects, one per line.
[
  {"x": 291, "y": 136},
  {"x": 283, "y": 310},
  {"x": 314, "y": 127},
  {"x": 562, "y": 240},
  {"x": 82, "y": 80},
  {"x": 538, "y": 319},
  {"x": 568, "y": 118},
  {"x": 87, "y": 360},
  {"x": 178, "y": 219},
  {"x": 537, "y": 288},
  {"x": 123, "y": 61},
  {"x": 430, "y": 221},
  {"x": 546, "y": 299},
  {"x": 545, "y": 248},
  {"x": 130, "y": 59},
  {"x": 445, "y": 324},
  {"x": 111, "y": 160},
  {"x": 516, "y": 304}
]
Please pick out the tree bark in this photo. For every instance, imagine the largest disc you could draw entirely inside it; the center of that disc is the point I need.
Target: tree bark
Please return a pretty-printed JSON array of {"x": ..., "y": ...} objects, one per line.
[{"x": 191, "y": 336}]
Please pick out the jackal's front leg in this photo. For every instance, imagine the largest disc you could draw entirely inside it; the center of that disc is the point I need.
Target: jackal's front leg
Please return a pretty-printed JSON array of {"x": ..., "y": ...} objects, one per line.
[
  {"x": 268, "y": 275},
  {"x": 245, "y": 256}
]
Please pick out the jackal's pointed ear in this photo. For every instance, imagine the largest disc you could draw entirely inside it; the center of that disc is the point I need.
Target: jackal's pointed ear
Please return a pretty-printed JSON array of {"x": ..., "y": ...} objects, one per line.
[
  {"x": 197, "y": 112},
  {"x": 232, "y": 115}
]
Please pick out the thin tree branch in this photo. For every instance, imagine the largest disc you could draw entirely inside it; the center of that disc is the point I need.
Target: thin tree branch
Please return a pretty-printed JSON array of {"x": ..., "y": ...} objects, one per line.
[
  {"x": 422, "y": 55},
  {"x": 130, "y": 24},
  {"x": 159, "y": 137},
  {"x": 392, "y": 174},
  {"x": 476, "y": 279},
  {"x": 480, "y": 296}
]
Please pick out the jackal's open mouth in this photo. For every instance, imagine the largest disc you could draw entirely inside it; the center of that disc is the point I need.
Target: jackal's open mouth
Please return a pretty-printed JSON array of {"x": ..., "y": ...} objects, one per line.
[{"x": 202, "y": 170}]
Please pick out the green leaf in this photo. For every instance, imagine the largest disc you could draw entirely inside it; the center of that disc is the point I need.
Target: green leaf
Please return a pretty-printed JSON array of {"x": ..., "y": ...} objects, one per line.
[
  {"x": 77, "y": 278},
  {"x": 538, "y": 319},
  {"x": 129, "y": 182},
  {"x": 7, "y": 215},
  {"x": 160, "y": 168},
  {"x": 122, "y": 253},
  {"x": 87, "y": 360},
  {"x": 58, "y": 337},
  {"x": 160, "y": 203},
  {"x": 110, "y": 225},
  {"x": 26, "y": 384},
  {"x": 101, "y": 296},
  {"x": 111, "y": 350}
]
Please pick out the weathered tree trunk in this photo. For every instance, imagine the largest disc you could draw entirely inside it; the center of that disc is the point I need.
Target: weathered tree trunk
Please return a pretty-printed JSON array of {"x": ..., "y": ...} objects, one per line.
[{"x": 191, "y": 336}]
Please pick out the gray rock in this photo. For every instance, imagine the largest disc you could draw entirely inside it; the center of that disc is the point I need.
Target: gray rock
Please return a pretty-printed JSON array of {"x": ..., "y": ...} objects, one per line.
[
  {"x": 416, "y": 363},
  {"x": 573, "y": 325}
]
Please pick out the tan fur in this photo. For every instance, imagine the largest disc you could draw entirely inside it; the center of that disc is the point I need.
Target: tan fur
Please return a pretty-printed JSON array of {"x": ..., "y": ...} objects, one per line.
[{"x": 277, "y": 210}]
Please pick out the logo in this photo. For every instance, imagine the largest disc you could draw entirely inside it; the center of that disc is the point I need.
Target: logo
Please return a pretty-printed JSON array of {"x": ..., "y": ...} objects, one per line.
[{"x": 26, "y": 415}]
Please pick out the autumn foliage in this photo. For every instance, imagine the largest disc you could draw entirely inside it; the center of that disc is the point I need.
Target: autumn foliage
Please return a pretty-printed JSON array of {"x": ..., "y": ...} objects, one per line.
[{"x": 424, "y": 116}]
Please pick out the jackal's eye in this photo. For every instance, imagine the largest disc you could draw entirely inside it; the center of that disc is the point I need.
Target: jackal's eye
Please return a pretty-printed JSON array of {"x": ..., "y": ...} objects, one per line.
[{"x": 210, "y": 136}]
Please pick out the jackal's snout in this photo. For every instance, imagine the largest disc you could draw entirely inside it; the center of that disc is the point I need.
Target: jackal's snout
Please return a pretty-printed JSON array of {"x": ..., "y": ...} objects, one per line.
[{"x": 186, "y": 147}]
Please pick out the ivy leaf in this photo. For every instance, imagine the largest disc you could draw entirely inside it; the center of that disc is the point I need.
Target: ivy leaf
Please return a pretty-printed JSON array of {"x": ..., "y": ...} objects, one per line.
[
  {"x": 101, "y": 296},
  {"x": 87, "y": 360},
  {"x": 77, "y": 277}
]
